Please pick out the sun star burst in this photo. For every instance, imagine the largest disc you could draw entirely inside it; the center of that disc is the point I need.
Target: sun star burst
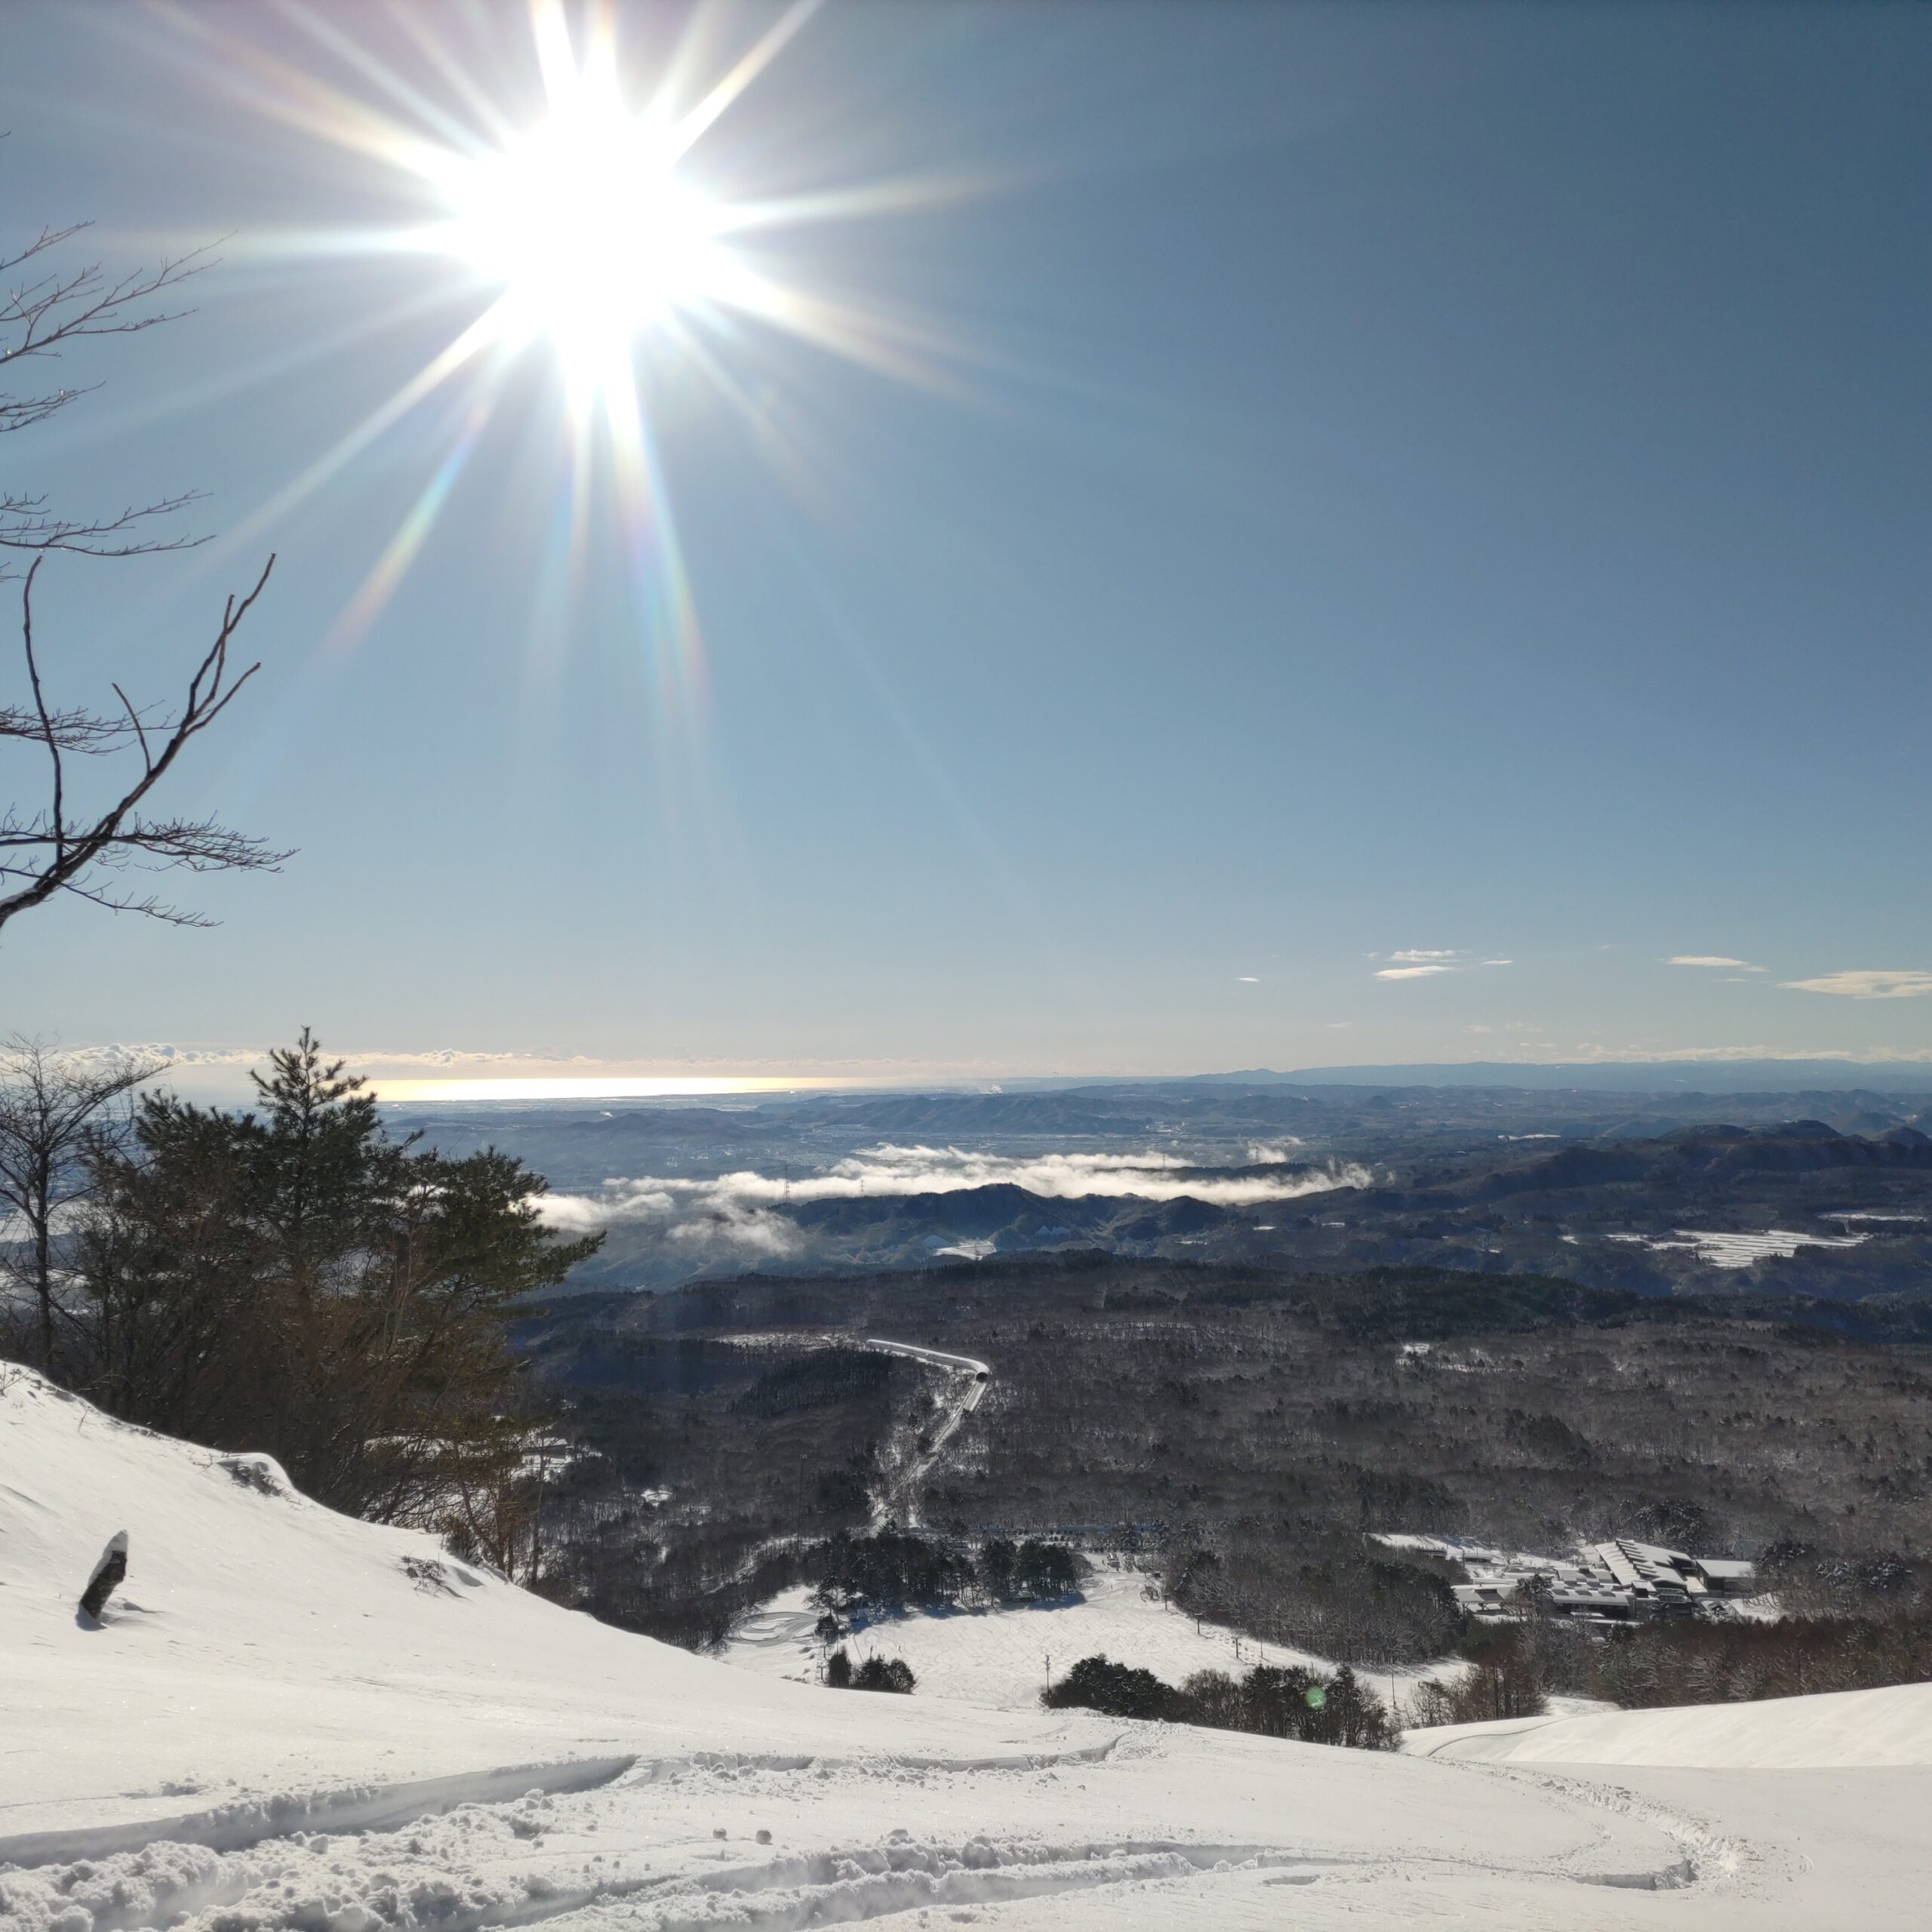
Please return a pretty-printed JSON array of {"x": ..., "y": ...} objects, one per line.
[{"x": 585, "y": 226}]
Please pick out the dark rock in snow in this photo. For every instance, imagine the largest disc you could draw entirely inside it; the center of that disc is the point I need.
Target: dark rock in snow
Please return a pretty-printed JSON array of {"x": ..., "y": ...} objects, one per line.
[{"x": 107, "y": 1575}]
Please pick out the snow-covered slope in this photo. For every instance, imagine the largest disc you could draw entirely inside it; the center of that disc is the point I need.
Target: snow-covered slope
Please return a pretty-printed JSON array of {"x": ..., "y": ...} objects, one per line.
[
  {"x": 1837, "y": 1731},
  {"x": 260, "y": 1639},
  {"x": 287, "y": 1719}
]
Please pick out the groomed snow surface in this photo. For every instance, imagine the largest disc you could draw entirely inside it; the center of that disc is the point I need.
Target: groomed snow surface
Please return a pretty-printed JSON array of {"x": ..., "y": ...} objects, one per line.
[{"x": 289, "y": 1719}]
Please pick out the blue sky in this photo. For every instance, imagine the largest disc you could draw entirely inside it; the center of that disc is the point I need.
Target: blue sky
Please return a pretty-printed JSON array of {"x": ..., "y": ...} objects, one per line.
[{"x": 1360, "y": 489}]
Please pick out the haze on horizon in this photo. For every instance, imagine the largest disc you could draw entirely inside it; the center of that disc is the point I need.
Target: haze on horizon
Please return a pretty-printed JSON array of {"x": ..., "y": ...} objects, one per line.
[{"x": 1093, "y": 540}]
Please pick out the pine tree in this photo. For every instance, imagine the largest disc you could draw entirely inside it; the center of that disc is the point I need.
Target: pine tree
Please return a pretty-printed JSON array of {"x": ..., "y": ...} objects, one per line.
[{"x": 295, "y": 1281}]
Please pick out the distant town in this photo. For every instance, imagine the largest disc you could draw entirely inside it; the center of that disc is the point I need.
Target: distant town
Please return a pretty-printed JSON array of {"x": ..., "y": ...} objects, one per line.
[{"x": 1621, "y": 1582}]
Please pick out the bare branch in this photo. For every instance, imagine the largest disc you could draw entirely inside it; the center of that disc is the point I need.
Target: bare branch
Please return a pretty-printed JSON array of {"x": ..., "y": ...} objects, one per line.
[
  {"x": 80, "y": 731},
  {"x": 55, "y": 856},
  {"x": 25, "y": 524},
  {"x": 46, "y": 308},
  {"x": 60, "y": 309},
  {"x": 149, "y": 906},
  {"x": 47, "y": 237},
  {"x": 140, "y": 732},
  {"x": 40, "y": 712},
  {"x": 39, "y": 317}
]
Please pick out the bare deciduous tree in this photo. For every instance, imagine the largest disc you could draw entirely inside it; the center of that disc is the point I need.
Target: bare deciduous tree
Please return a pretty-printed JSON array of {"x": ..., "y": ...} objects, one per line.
[
  {"x": 55, "y": 1110},
  {"x": 48, "y": 849},
  {"x": 47, "y": 310}
]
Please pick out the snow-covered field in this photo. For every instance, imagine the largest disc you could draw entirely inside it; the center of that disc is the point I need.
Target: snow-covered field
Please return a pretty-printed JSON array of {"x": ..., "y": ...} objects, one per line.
[
  {"x": 289, "y": 1720},
  {"x": 1741, "y": 1251},
  {"x": 999, "y": 1657}
]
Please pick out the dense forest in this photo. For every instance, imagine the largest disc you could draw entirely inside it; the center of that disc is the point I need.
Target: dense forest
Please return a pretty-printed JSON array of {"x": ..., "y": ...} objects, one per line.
[{"x": 1242, "y": 1431}]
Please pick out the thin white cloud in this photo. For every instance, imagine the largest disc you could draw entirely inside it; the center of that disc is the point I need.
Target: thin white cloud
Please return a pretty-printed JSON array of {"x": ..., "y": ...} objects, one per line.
[
  {"x": 1715, "y": 961},
  {"x": 1422, "y": 962},
  {"x": 743, "y": 1208},
  {"x": 1865, "y": 983},
  {"x": 1247, "y": 979}
]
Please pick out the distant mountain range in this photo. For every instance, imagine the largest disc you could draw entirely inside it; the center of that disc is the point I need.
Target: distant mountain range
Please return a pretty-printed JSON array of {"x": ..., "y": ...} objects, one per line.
[{"x": 1730, "y": 1076}]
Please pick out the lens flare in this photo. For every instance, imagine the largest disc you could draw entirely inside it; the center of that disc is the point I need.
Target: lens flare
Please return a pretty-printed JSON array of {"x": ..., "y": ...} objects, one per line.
[
  {"x": 584, "y": 226},
  {"x": 588, "y": 226}
]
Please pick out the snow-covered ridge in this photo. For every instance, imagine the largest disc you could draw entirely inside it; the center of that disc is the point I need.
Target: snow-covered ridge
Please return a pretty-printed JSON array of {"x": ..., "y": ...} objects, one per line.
[{"x": 287, "y": 1719}]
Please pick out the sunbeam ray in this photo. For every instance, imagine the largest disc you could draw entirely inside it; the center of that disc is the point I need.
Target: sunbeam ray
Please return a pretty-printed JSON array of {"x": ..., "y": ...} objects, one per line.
[
  {"x": 389, "y": 570},
  {"x": 691, "y": 127},
  {"x": 480, "y": 334}
]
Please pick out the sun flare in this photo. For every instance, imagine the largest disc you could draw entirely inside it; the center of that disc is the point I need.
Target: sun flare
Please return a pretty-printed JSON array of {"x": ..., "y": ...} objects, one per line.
[
  {"x": 585, "y": 232},
  {"x": 584, "y": 226}
]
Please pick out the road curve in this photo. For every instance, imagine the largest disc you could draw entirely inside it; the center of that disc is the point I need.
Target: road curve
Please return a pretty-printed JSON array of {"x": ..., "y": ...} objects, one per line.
[
  {"x": 937, "y": 1357},
  {"x": 969, "y": 1379}
]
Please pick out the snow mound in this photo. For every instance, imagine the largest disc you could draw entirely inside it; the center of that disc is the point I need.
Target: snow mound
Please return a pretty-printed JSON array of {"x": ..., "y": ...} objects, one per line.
[{"x": 1837, "y": 1731}]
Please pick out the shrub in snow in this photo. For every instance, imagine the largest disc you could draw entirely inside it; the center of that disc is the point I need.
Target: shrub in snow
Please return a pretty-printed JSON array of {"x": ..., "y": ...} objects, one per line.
[
  {"x": 875, "y": 1674},
  {"x": 1510, "y": 1680},
  {"x": 1117, "y": 1690},
  {"x": 1271, "y": 1701}
]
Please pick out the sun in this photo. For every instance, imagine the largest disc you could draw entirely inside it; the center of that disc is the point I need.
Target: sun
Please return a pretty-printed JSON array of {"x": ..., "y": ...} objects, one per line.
[
  {"x": 588, "y": 233},
  {"x": 585, "y": 228}
]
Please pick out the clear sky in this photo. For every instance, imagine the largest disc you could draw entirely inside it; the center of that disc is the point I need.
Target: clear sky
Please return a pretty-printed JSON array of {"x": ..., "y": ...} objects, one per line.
[{"x": 1164, "y": 538}]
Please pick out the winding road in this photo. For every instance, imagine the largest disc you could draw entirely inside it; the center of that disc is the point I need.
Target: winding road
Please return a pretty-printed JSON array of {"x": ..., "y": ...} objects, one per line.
[{"x": 967, "y": 1381}]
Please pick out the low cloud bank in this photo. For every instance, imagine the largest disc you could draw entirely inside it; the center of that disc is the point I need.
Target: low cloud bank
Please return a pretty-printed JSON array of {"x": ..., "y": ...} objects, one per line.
[
  {"x": 741, "y": 1210},
  {"x": 1272, "y": 1153}
]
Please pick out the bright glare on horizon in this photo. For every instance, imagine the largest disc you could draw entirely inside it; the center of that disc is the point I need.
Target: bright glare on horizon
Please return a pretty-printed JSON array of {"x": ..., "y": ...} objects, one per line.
[{"x": 641, "y": 1088}]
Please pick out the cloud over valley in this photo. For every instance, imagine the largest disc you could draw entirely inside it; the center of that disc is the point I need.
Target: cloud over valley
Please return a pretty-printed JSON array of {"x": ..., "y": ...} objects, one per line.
[{"x": 746, "y": 1211}]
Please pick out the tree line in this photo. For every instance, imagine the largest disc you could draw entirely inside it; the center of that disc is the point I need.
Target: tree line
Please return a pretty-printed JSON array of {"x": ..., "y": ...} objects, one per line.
[
  {"x": 893, "y": 1568},
  {"x": 1729, "y": 1663},
  {"x": 893, "y": 1674},
  {"x": 286, "y": 1278},
  {"x": 1271, "y": 1700},
  {"x": 1514, "y": 1666}
]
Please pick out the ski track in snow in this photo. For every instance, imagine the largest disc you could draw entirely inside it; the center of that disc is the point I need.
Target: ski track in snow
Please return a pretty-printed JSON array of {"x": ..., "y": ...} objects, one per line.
[
  {"x": 561, "y": 1854},
  {"x": 246, "y": 1822}
]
